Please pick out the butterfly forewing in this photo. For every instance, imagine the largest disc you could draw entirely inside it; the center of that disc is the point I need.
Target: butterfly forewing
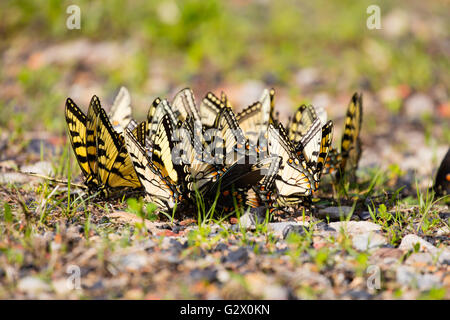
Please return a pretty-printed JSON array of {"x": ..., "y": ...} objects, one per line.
[
  {"x": 114, "y": 165},
  {"x": 350, "y": 143},
  {"x": 162, "y": 146},
  {"x": 76, "y": 125},
  {"x": 210, "y": 108}
]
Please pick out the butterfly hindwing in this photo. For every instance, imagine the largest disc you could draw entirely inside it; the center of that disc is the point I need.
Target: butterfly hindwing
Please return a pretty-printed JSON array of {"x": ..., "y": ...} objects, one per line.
[
  {"x": 158, "y": 188},
  {"x": 292, "y": 181}
]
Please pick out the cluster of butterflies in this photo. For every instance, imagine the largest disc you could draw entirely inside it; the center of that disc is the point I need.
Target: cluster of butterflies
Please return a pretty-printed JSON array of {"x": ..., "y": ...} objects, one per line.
[{"x": 182, "y": 154}]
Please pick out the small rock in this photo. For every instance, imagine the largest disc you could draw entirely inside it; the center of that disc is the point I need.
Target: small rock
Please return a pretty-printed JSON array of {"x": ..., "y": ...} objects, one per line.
[
  {"x": 420, "y": 258},
  {"x": 444, "y": 231},
  {"x": 13, "y": 177},
  {"x": 405, "y": 275},
  {"x": 223, "y": 276},
  {"x": 365, "y": 215},
  {"x": 33, "y": 285},
  {"x": 133, "y": 261},
  {"x": 280, "y": 228},
  {"x": 408, "y": 277},
  {"x": 417, "y": 105},
  {"x": 410, "y": 240},
  {"x": 208, "y": 274},
  {"x": 428, "y": 281},
  {"x": 44, "y": 168},
  {"x": 221, "y": 247},
  {"x": 323, "y": 226},
  {"x": 386, "y": 255},
  {"x": 335, "y": 213},
  {"x": 63, "y": 286},
  {"x": 298, "y": 229},
  {"x": 275, "y": 292},
  {"x": 239, "y": 255},
  {"x": 134, "y": 294},
  {"x": 368, "y": 241},
  {"x": 251, "y": 218},
  {"x": 355, "y": 227},
  {"x": 359, "y": 295}
]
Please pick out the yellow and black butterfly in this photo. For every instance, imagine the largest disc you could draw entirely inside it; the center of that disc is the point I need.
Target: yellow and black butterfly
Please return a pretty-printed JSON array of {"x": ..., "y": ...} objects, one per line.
[
  {"x": 311, "y": 139},
  {"x": 99, "y": 149},
  {"x": 346, "y": 161},
  {"x": 158, "y": 184},
  {"x": 292, "y": 183},
  {"x": 351, "y": 142},
  {"x": 200, "y": 170}
]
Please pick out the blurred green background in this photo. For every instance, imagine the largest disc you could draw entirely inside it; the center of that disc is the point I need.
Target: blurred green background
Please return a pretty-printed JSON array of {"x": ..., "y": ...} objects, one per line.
[{"x": 157, "y": 47}]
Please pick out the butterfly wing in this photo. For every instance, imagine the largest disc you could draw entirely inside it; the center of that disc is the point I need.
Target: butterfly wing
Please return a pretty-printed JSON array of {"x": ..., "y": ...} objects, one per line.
[
  {"x": 158, "y": 189},
  {"x": 325, "y": 146},
  {"x": 120, "y": 114},
  {"x": 255, "y": 119},
  {"x": 210, "y": 108},
  {"x": 300, "y": 124},
  {"x": 115, "y": 168},
  {"x": 292, "y": 181},
  {"x": 91, "y": 134},
  {"x": 199, "y": 172},
  {"x": 183, "y": 105},
  {"x": 161, "y": 152},
  {"x": 442, "y": 182},
  {"x": 76, "y": 126},
  {"x": 156, "y": 113},
  {"x": 351, "y": 143}
]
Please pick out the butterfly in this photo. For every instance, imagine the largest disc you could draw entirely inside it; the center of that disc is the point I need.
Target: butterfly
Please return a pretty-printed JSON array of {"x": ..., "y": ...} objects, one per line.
[
  {"x": 442, "y": 181},
  {"x": 99, "y": 149},
  {"x": 346, "y": 161},
  {"x": 351, "y": 142},
  {"x": 311, "y": 139},
  {"x": 292, "y": 182},
  {"x": 159, "y": 187}
]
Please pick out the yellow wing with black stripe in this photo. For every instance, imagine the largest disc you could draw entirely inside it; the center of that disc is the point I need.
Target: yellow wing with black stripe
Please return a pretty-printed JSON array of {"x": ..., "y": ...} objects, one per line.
[
  {"x": 76, "y": 122},
  {"x": 158, "y": 189},
  {"x": 351, "y": 143},
  {"x": 161, "y": 152},
  {"x": 115, "y": 168}
]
